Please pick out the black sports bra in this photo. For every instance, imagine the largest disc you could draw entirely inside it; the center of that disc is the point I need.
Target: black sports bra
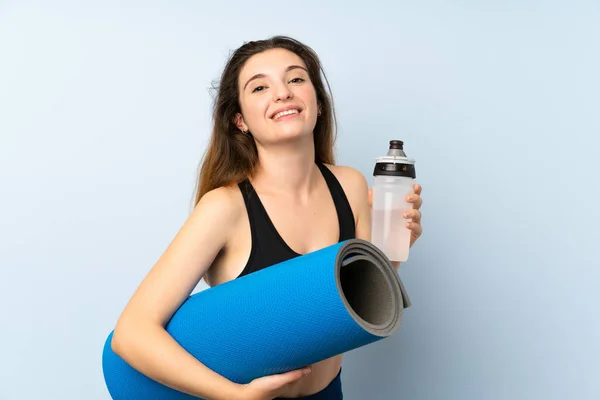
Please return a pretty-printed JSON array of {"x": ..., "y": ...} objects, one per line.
[{"x": 268, "y": 247}]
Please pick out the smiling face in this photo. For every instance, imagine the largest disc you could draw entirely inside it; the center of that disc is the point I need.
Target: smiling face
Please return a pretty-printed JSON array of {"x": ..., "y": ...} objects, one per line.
[{"x": 277, "y": 98}]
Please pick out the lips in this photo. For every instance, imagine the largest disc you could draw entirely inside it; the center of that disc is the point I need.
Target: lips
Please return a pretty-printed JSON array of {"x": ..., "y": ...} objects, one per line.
[{"x": 285, "y": 111}]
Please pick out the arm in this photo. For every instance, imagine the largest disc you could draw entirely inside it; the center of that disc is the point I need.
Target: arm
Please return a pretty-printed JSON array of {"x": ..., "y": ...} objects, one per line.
[{"x": 139, "y": 336}]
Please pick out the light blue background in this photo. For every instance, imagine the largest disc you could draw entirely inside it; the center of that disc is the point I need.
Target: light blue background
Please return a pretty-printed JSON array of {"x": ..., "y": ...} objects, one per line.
[{"x": 105, "y": 112}]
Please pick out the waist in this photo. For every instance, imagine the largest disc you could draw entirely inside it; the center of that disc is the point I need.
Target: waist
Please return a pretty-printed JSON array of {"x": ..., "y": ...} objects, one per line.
[{"x": 323, "y": 383}]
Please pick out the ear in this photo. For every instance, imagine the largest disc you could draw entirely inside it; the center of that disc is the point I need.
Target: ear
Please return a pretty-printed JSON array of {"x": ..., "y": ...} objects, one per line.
[{"x": 239, "y": 122}]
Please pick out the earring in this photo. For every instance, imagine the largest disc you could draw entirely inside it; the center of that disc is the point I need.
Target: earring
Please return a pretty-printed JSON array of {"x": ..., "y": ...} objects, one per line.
[{"x": 319, "y": 113}]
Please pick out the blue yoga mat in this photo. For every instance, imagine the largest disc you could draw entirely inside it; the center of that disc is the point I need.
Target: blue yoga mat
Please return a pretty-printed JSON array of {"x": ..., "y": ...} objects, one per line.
[{"x": 281, "y": 318}]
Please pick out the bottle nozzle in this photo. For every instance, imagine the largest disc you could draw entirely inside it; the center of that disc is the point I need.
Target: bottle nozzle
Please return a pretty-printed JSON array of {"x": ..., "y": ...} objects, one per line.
[{"x": 396, "y": 148}]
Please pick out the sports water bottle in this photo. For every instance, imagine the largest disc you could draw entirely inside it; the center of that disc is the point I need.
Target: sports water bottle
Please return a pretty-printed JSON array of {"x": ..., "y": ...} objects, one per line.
[{"x": 394, "y": 176}]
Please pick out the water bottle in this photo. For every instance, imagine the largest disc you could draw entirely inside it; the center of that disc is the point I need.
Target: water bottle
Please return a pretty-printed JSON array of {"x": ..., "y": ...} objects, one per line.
[{"x": 394, "y": 176}]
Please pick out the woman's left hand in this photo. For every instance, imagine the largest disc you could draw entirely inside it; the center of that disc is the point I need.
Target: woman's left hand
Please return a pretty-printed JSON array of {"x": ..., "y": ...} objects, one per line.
[{"x": 414, "y": 215}]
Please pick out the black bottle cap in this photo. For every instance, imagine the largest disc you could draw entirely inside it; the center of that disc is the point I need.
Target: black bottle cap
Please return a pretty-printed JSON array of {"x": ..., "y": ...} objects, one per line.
[{"x": 396, "y": 144}]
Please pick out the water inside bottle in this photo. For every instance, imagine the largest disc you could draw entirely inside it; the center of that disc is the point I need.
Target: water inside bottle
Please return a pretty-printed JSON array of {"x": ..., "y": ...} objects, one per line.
[{"x": 391, "y": 234}]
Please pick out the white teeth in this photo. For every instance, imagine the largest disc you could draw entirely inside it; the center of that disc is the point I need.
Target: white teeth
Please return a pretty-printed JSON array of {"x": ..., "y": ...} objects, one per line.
[{"x": 288, "y": 112}]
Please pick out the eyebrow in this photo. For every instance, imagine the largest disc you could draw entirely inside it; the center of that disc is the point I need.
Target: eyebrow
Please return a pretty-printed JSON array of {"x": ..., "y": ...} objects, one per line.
[{"x": 258, "y": 76}]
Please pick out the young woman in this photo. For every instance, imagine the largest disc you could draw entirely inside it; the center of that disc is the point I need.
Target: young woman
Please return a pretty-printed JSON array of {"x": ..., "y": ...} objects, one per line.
[{"x": 268, "y": 191}]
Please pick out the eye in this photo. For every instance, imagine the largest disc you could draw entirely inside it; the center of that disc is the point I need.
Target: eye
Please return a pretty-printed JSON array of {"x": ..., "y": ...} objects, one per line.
[
  {"x": 297, "y": 80},
  {"x": 258, "y": 89}
]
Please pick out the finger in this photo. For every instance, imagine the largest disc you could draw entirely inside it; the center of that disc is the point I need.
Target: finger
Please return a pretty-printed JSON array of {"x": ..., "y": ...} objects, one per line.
[
  {"x": 418, "y": 203},
  {"x": 418, "y": 188},
  {"x": 370, "y": 198},
  {"x": 294, "y": 375},
  {"x": 417, "y": 229},
  {"x": 413, "y": 215},
  {"x": 280, "y": 380},
  {"x": 415, "y": 200}
]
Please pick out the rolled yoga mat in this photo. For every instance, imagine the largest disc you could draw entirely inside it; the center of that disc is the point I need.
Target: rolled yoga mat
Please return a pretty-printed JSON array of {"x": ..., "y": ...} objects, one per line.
[{"x": 280, "y": 318}]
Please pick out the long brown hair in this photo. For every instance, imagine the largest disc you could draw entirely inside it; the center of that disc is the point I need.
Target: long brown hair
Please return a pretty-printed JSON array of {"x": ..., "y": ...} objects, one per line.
[{"x": 231, "y": 155}]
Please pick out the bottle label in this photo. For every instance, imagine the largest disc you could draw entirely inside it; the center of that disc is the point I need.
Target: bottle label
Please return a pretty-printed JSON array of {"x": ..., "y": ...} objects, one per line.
[{"x": 395, "y": 169}]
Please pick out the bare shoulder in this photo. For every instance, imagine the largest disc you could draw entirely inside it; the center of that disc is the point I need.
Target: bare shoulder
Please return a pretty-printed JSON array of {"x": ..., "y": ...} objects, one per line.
[
  {"x": 355, "y": 186},
  {"x": 352, "y": 180},
  {"x": 223, "y": 209},
  {"x": 224, "y": 204},
  {"x": 217, "y": 212}
]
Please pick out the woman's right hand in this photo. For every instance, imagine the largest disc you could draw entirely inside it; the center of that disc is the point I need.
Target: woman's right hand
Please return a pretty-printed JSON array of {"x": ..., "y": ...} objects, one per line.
[{"x": 270, "y": 386}]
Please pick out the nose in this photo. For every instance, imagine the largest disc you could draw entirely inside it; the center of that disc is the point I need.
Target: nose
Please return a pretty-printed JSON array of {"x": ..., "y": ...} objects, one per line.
[{"x": 282, "y": 92}]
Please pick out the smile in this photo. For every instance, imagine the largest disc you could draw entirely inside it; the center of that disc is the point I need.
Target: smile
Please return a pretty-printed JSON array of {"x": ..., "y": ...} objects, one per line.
[{"x": 285, "y": 113}]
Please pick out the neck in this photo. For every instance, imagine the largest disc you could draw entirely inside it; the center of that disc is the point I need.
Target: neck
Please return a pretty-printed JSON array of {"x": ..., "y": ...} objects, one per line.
[{"x": 287, "y": 169}]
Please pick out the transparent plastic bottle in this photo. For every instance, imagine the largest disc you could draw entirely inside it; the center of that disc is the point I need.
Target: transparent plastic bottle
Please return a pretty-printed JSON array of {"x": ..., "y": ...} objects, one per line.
[{"x": 394, "y": 177}]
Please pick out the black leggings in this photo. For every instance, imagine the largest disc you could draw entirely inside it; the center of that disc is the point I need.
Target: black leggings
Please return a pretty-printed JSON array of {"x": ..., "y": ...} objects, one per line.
[{"x": 333, "y": 391}]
